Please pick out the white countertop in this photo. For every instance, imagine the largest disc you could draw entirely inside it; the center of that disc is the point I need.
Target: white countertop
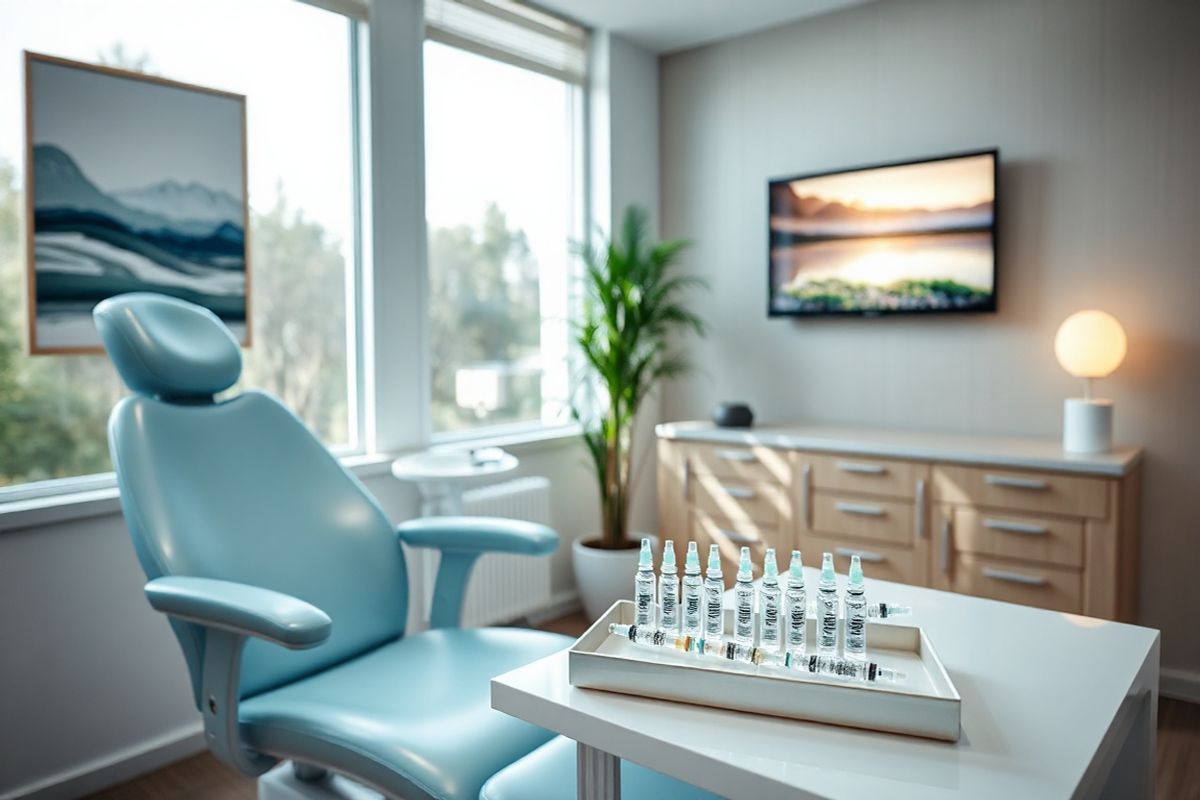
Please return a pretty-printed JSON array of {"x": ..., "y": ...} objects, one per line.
[
  {"x": 1001, "y": 451},
  {"x": 1047, "y": 700}
]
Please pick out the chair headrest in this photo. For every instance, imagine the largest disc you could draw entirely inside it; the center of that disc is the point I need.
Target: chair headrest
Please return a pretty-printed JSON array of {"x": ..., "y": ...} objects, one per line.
[{"x": 166, "y": 347}]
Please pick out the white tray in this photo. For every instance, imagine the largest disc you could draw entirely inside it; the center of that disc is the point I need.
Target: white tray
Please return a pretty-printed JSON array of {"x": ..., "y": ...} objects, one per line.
[{"x": 925, "y": 703}]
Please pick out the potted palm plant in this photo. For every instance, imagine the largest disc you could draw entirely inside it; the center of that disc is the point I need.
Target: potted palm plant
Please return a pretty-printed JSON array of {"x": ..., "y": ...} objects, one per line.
[{"x": 633, "y": 311}]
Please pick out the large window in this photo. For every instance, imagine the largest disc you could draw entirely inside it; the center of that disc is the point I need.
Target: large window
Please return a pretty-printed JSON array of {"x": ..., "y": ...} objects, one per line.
[
  {"x": 295, "y": 64},
  {"x": 503, "y": 194}
]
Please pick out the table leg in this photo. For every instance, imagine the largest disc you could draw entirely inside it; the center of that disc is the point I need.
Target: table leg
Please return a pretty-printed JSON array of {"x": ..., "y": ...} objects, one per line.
[
  {"x": 598, "y": 774},
  {"x": 1132, "y": 774}
]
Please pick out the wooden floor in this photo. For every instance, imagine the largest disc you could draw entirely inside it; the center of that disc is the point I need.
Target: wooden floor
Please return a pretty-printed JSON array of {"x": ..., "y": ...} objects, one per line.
[{"x": 203, "y": 778}]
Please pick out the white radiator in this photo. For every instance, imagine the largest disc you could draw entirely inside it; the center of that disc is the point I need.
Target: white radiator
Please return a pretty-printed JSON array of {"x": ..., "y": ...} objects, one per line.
[{"x": 505, "y": 587}]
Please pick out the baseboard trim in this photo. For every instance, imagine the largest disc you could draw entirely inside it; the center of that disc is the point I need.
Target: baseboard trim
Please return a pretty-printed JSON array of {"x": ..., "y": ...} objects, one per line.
[
  {"x": 118, "y": 767},
  {"x": 560, "y": 605},
  {"x": 1179, "y": 684}
]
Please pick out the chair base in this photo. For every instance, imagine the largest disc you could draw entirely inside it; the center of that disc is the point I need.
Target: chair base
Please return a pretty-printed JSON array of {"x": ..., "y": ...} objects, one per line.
[{"x": 281, "y": 783}]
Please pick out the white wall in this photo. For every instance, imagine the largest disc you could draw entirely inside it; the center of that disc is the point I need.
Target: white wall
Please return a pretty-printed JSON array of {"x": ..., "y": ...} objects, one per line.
[
  {"x": 1095, "y": 108},
  {"x": 624, "y": 171},
  {"x": 94, "y": 686}
]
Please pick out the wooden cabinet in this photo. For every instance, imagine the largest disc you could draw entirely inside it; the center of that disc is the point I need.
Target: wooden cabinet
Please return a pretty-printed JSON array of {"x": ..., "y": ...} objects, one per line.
[
  {"x": 873, "y": 476},
  {"x": 730, "y": 496},
  {"x": 1053, "y": 532},
  {"x": 1063, "y": 542},
  {"x": 1022, "y": 491}
]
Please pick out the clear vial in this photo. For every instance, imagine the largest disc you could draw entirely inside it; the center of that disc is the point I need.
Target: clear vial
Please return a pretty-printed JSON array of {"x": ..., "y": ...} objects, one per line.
[
  {"x": 693, "y": 593},
  {"x": 643, "y": 587},
  {"x": 855, "y": 616},
  {"x": 827, "y": 607},
  {"x": 714, "y": 596},
  {"x": 768, "y": 604},
  {"x": 796, "y": 605},
  {"x": 743, "y": 593},
  {"x": 668, "y": 590}
]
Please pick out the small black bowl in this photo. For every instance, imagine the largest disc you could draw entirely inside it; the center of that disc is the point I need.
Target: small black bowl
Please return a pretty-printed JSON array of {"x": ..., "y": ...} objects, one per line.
[{"x": 733, "y": 415}]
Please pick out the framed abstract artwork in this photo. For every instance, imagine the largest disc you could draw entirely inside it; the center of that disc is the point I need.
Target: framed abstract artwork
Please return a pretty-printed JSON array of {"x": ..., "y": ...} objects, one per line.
[{"x": 133, "y": 183}]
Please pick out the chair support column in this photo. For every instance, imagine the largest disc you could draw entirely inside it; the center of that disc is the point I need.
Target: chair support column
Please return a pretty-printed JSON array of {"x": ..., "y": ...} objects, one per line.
[
  {"x": 450, "y": 589},
  {"x": 219, "y": 703}
]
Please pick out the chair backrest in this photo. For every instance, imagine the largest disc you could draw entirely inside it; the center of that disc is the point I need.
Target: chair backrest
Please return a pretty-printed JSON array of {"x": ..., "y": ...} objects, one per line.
[{"x": 240, "y": 490}]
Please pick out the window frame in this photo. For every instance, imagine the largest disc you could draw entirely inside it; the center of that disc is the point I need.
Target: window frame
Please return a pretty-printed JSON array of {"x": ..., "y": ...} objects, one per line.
[
  {"x": 504, "y": 433},
  {"x": 361, "y": 447}
]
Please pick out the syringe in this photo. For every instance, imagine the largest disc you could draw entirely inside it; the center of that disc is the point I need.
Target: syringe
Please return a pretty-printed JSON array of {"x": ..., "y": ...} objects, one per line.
[
  {"x": 887, "y": 611},
  {"x": 823, "y": 665}
]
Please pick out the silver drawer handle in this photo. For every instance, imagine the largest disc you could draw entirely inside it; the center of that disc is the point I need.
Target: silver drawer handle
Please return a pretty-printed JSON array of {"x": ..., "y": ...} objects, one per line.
[
  {"x": 860, "y": 468},
  {"x": 1015, "y": 527},
  {"x": 859, "y": 508},
  {"x": 1013, "y": 577},
  {"x": 736, "y": 455},
  {"x": 736, "y": 536},
  {"x": 920, "y": 508},
  {"x": 1009, "y": 482},
  {"x": 864, "y": 555},
  {"x": 740, "y": 492},
  {"x": 944, "y": 547}
]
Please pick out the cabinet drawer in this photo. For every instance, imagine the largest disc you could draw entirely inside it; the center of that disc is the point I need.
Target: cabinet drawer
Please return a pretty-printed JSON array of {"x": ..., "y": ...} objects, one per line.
[
  {"x": 1041, "y": 540},
  {"x": 761, "y": 464},
  {"x": 867, "y": 475},
  {"x": 739, "y": 501},
  {"x": 881, "y": 561},
  {"x": 1053, "y": 588},
  {"x": 730, "y": 538},
  {"x": 879, "y": 520},
  {"x": 1037, "y": 492}
]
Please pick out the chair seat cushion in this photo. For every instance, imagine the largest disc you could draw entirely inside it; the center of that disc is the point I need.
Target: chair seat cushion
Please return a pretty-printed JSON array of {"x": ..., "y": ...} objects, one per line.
[
  {"x": 548, "y": 773},
  {"x": 415, "y": 713}
]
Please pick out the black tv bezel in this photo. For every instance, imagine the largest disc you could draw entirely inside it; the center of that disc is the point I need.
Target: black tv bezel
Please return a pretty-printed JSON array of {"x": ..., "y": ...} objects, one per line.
[{"x": 990, "y": 308}]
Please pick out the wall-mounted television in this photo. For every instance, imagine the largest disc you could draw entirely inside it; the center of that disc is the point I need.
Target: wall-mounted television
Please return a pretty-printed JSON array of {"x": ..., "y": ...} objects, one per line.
[{"x": 903, "y": 238}]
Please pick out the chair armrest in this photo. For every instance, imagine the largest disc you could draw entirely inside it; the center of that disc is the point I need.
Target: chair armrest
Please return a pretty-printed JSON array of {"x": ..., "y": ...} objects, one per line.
[
  {"x": 479, "y": 535},
  {"x": 462, "y": 540},
  {"x": 242, "y": 609},
  {"x": 229, "y": 613}
]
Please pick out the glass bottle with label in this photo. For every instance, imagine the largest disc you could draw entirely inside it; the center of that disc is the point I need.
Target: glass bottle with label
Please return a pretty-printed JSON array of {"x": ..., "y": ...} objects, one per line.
[{"x": 714, "y": 596}]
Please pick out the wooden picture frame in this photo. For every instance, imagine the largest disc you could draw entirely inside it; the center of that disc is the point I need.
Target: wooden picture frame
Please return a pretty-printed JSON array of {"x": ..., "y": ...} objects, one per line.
[{"x": 153, "y": 226}]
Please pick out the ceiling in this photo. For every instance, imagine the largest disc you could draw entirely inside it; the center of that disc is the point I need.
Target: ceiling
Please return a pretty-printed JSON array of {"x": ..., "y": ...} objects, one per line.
[{"x": 663, "y": 26}]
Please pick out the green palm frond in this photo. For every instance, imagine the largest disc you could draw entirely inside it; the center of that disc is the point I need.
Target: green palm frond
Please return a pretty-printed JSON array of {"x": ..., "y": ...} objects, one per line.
[{"x": 633, "y": 309}]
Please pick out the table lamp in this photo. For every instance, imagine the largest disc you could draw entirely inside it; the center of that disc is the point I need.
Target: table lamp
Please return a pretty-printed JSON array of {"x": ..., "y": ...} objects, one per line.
[{"x": 1089, "y": 344}]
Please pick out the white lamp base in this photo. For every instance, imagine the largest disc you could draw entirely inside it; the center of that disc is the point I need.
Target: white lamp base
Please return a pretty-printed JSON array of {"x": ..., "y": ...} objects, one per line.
[{"x": 1087, "y": 425}]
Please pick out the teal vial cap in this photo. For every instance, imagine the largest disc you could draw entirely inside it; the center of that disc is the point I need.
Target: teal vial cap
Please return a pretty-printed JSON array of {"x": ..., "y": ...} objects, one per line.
[
  {"x": 796, "y": 568},
  {"x": 827, "y": 568},
  {"x": 856, "y": 575},
  {"x": 668, "y": 560},
  {"x": 692, "y": 563},
  {"x": 770, "y": 568},
  {"x": 647, "y": 558},
  {"x": 714, "y": 559},
  {"x": 744, "y": 568}
]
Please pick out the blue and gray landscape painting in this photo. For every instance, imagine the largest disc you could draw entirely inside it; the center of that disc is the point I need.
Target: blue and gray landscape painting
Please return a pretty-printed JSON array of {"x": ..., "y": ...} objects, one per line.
[{"x": 181, "y": 239}]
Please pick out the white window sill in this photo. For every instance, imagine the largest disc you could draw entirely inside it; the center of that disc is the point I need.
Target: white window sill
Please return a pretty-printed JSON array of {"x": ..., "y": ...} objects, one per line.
[
  {"x": 520, "y": 439},
  {"x": 75, "y": 503}
]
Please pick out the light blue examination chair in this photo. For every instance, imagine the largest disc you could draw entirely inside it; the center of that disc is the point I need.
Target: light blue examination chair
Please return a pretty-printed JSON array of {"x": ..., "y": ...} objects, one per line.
[{"x": 286, "y": 584}]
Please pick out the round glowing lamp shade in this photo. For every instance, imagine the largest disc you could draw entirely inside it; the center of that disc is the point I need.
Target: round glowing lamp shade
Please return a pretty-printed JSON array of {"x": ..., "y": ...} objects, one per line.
[{"x": 1089, "y": 344}]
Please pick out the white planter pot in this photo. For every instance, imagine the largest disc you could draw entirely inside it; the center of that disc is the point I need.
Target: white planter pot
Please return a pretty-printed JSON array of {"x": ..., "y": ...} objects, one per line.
[{"x": 606, "y": 576}]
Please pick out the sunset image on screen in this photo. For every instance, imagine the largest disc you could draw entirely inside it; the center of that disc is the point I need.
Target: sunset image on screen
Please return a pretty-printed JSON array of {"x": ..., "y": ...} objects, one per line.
[{"x": 913, "y": 237}]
